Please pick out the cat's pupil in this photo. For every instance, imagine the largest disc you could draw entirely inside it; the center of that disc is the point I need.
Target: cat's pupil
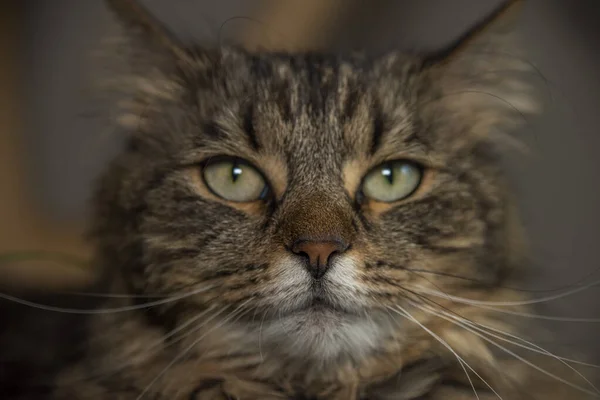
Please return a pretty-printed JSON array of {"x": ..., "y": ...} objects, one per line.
[
  {"x": 388, "y": 173},
  {"x": 236, "y": 171}
]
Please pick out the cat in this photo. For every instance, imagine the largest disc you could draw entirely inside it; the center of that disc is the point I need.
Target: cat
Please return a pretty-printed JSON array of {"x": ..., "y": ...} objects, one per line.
[{"x": 313, "y": 226}]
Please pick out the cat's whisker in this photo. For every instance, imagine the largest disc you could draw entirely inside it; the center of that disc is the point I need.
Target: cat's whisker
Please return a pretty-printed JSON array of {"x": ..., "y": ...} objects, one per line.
[
  {"x": 262, "y": 321},
  {"x": 510, "y": 303},
  {"x": 368, "y": 316},
  {"x": 533, "y": 347},
  {"x": 464, "y": 365},
  {"x": 115, "y": 295},
  {"x": 419, "y": 271},
  {"x": 235, "y": 313},
  {"x": 515, "y": 313},
  {"x": 280, "y": 321},
  {"x": 96, "y": 311},
  {"x": 156, "y": 346},
  {"x": 522, "y": 359},
  {"x": 541, "y": 316},
  {"x": 460, "y": 320},
  {"x": 528, "y": 344},
  {"x": 183, "y": 326},
  {"x": 460, "y": 300}
]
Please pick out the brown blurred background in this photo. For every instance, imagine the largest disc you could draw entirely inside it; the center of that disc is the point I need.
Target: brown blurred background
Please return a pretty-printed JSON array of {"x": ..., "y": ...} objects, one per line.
[{"x": 54, "y": 138}]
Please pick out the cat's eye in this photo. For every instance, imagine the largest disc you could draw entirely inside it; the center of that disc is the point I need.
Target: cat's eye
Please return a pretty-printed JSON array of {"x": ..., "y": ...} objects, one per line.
[
  {"x": 392, "y": 181},
  {"x": 234, "y": 179}
]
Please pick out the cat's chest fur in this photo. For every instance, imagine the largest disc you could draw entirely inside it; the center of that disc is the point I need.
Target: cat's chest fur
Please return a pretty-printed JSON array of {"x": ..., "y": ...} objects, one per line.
[
  {"x": 138, "y": 360},
  {"x": 128, "y": 358}
]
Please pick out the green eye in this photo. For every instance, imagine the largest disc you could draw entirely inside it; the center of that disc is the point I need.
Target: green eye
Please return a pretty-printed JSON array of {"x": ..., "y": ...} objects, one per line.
[
  {"x": 234, "y": 180},
  {"x": 392, "y": 181}
]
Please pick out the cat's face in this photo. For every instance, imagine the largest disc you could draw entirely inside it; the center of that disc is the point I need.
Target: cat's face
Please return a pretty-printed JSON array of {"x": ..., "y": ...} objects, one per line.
[{"x": 306, "y": 194}]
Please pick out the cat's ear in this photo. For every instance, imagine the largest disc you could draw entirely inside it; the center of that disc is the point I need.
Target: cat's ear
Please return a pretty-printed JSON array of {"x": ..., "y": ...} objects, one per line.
[
  {"x": 147, "y": 64},
  {"x": 145, "y": 33},
  {"x": 494, "y": 32},
  {"x": 483, "y": 77}
]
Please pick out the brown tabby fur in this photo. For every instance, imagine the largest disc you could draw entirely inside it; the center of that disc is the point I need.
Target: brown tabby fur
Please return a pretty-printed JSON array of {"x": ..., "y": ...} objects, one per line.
[{"x": 314, "y": 124}]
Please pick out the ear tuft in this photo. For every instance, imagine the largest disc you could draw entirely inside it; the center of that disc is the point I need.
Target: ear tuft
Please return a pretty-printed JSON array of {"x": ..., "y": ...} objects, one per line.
[
  {"x": 482, "y": 78},
  {"x": 146, "y": 64},
  {"x": 492, "y": 32},
  {"x": 143, "y": 27}
]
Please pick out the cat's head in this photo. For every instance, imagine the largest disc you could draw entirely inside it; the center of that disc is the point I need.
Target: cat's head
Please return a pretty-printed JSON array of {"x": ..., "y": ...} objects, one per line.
[{"x": 306, "y": 196}]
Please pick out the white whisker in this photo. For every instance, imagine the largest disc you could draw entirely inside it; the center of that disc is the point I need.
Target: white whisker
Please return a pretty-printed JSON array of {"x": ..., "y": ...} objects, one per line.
[
  {"x": 464, "y": 365},
  {"x": 530, "y": 346},
  {"x": 103, "y": 310},
  {"x": 506, "y": 350},
  {"x": 154, "y": 346},
  {"x": 113, "y": 295},
  {"x": 461, "y": 300},
  {"x": 510, "y": 303},
  {"x": 262, "y": 321},
  {"x": 540, "y": 316},
  {"x": 235, "y": 312}
]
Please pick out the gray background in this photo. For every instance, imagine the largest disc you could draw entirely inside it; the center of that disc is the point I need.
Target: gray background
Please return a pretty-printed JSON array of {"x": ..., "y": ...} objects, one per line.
[{"x": 558, "y": 184}]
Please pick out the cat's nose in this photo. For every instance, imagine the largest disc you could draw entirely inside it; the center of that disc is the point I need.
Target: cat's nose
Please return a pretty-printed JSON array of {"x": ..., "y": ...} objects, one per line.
[{"x": 318, "y": 254}]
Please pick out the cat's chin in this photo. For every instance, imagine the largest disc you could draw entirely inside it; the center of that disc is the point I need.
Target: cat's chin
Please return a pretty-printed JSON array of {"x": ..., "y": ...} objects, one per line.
[{"x": 324, "y": 334}]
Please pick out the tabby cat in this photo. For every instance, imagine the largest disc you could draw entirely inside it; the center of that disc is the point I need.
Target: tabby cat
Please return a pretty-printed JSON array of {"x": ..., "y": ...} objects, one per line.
[{"x": 314, "y": 226}]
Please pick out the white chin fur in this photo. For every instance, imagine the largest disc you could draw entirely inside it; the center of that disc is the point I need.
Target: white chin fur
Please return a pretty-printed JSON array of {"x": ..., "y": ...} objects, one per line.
[{"x": 323, "y": 335}]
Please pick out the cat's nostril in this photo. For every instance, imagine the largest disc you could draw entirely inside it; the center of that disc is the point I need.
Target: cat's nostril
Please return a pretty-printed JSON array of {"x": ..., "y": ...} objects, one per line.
[{"x": 318, "y": 254}]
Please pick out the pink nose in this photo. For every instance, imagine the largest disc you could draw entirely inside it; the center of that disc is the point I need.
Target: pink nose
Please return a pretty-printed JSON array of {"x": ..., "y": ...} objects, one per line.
[{"x": 318, "y": 254}]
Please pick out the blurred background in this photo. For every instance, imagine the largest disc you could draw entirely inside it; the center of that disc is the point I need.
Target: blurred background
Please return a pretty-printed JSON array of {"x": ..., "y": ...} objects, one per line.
[{"x": 55, "y": 139}]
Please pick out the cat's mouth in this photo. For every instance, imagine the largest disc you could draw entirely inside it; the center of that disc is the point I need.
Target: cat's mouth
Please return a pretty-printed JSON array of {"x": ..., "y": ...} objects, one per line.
[
  {"x": 321, "y": 305},
  {"x": 317, "y": 306}
]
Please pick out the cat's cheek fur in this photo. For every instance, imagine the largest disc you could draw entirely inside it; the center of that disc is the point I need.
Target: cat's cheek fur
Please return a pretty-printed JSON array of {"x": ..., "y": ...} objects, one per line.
[
  {"x": 288, "y": 287},
  {"x": 344, "y": 285}
]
